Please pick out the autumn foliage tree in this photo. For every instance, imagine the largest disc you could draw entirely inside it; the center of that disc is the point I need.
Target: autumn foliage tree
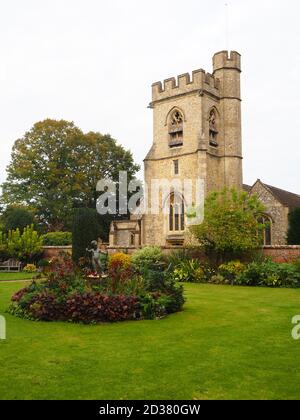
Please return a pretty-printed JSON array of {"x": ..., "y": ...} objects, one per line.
[
  {"x": 55, "y": 168},
  {"x": 230, "y": 227}
]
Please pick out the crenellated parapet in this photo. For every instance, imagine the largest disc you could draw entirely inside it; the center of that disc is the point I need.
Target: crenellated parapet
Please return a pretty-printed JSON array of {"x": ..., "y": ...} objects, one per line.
[
  {"x": 227, "y": 60},
  {"x": 184, "y": 84}
]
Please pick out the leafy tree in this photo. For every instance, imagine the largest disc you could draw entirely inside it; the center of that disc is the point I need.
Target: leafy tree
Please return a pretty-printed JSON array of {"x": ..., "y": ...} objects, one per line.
[
  {"x": 230, "y": 225},
  {"x": 55, "y": 167},
  {"x": 17, "y": 217},
  {"x": 4, "y": 254},
  {"x": 294, "y": 227}
]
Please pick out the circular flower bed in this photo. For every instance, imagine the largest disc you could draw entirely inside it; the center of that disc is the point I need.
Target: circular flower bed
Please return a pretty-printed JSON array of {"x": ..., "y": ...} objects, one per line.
[{"x": 128, "y": 292}]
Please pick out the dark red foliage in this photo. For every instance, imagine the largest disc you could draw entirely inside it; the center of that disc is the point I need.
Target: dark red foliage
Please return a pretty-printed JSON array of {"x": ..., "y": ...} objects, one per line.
[
  {"x": 18, "y": 296},
  {"x": 44, "y": 306},
  {"x": 95, "y": 307}
]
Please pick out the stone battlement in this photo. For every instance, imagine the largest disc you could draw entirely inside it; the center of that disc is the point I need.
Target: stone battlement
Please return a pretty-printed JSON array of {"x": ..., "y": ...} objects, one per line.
[
  {"x": 200, "y": 80},
  {"x": 227, "y": 60}
]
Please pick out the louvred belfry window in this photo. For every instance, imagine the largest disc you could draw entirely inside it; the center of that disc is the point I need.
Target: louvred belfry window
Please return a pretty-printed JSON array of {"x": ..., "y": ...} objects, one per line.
[
  {"x": 176, "y": 129},
  {"x": 213, "y": 128}
]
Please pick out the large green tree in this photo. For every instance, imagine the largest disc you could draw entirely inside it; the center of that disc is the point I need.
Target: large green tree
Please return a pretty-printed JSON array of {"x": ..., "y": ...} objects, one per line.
[
  {"x": 230, "y": 225},
  {"x": 17, "y": 217},
  {"x": 55, "y": 168}
]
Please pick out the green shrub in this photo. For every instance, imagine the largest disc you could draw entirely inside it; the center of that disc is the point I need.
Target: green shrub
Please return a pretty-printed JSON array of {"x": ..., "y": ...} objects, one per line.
[
  {"x": 26, "y": 246},
  {"x": 270, "y": 274},
  {"x": 230, "y": 224},
  {"x": 177, "y": 257},
  {"x": 218, "y": 279},
  {"x": 188, "y": 271},
  {"x": 30, "y": 268},
  {"x": 43, "y": 263},
  {"x": 147, "y": 258},
  {"x": 57, "y": 239},
  {"x": 232, "y": 270}
]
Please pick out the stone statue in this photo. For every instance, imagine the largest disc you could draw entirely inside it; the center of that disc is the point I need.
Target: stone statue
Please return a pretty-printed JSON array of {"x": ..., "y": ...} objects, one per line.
[
  {"x": 95, "y": 257},
  {"x": 99, "y": 257}
]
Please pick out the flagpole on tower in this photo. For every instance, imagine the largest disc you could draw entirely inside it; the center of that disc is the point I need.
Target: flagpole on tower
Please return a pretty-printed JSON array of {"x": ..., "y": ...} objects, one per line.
[{"x": 227, "y": 26}]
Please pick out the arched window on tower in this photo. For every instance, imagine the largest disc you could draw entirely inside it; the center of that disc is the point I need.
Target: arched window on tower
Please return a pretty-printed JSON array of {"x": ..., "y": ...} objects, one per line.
[
  {"x": 176, "y": 129},
  {"x": 213, "y": 128},
  {"x": 267, "y": 230},
  {"x": 176, "y": 213}
]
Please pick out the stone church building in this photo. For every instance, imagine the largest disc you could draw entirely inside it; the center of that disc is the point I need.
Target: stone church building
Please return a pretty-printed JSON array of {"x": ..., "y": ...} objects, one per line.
[{"x": 197, "y": 134}]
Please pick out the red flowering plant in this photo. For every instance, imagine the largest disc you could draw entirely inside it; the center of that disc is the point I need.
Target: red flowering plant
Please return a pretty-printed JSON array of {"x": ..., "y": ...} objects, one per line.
[{"x": 119, "y": 271}]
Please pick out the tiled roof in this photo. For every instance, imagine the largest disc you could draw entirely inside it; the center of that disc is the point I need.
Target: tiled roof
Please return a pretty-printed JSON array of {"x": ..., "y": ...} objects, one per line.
[{"x": 286, "y": 198}]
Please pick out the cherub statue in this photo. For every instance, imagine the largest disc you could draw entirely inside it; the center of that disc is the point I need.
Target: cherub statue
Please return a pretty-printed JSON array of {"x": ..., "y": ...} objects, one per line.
[{"x": 95, "y": 257}]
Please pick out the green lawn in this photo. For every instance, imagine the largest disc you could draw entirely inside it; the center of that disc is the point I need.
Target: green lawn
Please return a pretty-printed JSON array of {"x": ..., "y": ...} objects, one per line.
[
  {"x": 228, "y": 343},
  {"x": 15, "y": 276}
]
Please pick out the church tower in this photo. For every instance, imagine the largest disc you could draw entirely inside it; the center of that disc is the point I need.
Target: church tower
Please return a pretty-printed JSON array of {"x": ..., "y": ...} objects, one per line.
[{"x": 196, "y": 135}]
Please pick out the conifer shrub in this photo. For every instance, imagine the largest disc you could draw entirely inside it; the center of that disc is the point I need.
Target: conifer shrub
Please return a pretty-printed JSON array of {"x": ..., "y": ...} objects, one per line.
[{"x": 86, "y": 228}]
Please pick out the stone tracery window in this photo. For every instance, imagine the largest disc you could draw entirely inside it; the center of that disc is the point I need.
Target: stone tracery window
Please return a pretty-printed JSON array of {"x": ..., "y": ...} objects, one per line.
[
  {"x": 267, "y": 231},
  {"x": 176, "y": 129},
  {"x": 213, "y": 128},
  {"x": 176, "y": 214}
]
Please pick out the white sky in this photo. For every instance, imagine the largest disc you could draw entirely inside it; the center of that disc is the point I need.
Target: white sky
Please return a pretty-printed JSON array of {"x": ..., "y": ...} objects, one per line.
[{"x": 93, "y": 62}]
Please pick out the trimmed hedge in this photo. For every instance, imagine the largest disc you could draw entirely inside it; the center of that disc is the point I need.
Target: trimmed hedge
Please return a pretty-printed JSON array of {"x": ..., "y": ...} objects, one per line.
[{"x": 57, "y": 239}]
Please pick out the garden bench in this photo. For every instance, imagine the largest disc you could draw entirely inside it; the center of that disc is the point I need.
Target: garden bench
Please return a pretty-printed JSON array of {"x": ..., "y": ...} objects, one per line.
[{"x": 10, "y": 266}]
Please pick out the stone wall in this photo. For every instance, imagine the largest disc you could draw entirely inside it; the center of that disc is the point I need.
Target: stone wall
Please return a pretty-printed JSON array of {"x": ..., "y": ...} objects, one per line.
[{"x": 277, "y": 212}]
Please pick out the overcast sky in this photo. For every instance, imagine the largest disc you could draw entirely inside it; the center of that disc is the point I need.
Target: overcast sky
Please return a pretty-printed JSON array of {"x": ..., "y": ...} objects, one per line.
[{"x": 93, "y": 62}]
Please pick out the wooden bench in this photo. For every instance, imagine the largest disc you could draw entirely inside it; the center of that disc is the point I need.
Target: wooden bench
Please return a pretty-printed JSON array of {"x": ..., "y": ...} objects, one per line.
[{"x": 10, "y": 266}]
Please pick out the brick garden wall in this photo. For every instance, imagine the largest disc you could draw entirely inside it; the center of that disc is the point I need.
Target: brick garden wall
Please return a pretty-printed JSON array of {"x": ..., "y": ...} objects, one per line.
[
  {"x": 278, "y": 253},
  {"x": 54, "y": 251},
  {"x": 282, "y": 254}
]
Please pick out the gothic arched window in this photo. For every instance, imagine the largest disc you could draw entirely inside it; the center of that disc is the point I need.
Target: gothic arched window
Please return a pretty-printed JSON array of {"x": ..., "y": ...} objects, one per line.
[
  {"x": 266, "y": 233},
  {"x": 176, "y": 213},
  {"x": 176, "y": 129},
  {"x": 213, "y": 128}
]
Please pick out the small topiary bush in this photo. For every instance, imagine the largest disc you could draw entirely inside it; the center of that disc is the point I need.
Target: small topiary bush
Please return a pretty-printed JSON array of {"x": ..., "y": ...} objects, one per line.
[{"x": 57, "y": 239}]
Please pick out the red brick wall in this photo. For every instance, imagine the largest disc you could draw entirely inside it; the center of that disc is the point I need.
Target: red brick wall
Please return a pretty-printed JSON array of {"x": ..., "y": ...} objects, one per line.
[
  {"x": 54, "y": 251},
  {"x": 282, "y": 254}
]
